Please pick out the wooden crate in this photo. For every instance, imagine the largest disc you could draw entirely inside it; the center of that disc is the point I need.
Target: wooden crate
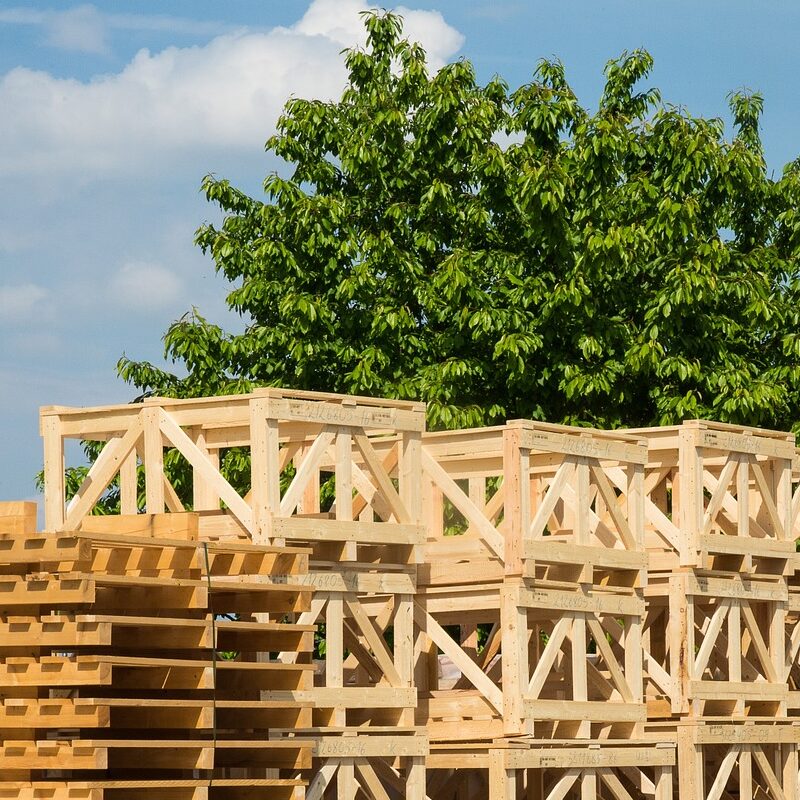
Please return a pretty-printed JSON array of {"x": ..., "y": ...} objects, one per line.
[
  {"x": 544, "y": 501},
  {"x": 276, "y": 428},
  {"x": 363, "y": 543},
  {"x": 559, "y": 661},
  {"x": 719, "y": 497},
  {"x": 535, "y": 534},
  {"x": 523, "y": 768},
  {"x": 749, "y": 759},
  {"x": 715, "y": 646}
]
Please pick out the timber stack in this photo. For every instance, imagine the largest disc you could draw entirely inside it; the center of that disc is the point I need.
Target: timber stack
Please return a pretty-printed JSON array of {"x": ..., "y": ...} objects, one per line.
[
  {"x": 117, "y": 677},
  {"x": 524, "y": 611},
  {"x": 722, "y": 552}
]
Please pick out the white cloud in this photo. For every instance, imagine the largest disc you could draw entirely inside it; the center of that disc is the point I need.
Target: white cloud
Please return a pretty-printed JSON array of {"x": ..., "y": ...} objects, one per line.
[
  {"x": 85, "y": 28},
  {"x": 81, "y": 29},
  {"x": 225, "y": 94},
  {"x": 20, "y": 302},
  {"x": 142, "y": 287},
  {"x": 340, "y": 21}
]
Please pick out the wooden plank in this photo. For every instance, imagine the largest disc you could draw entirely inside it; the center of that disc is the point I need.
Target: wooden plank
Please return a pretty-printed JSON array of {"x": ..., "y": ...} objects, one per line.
[
  {"x": 333, "y": 530},
  {"x": 581, "y": 711},
  {"x": 369, "y": 746},
  {"x": 584, "y": 443},
  {"x": 582, "y": 757},
  {"x": 184, "y": 525},
  {"x": 54, "y": 480},
  {"x": 356, "y": 416},
  {"x": 581, "y": 602},
  {"x": 550, "y": 550}
]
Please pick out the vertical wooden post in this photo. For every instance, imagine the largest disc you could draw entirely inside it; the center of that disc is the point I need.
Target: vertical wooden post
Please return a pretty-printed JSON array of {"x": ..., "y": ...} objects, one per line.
[
  {"x": 580, "y": 680},
  {"x": 634, "y": 666},
  {"x": 690, "y": 468},
  {"x": 54, "y": 488},
  {"x": 516, "y": 468},
  {"x": 334, "y": 651},
  {"x": 783, "y": 499},
  {"x": 734, "y": 654},
  {"x": 404, "y": 647},
  {"x": 502, "y": 781},
  {"x": 129, "y": 485},
  {"x": 153, "y": 460},
  {"x": 745, "y": 773},
  {"x": 743, "y": 495},
  {"x": 635, "y": 502},
  {"x": 690, "y": 765},
  {"x": 343, "y": 474},
  {"x": 415, "y": 778},
  {"x": 346, "y": 787},
  {"x": 582, "y": 501},
  {"x": 589, "y": 785},
  {"x": 791, "y": 770},
  {"x": 409, "y": 472},
  {"x": 663, "y": 783},
  {"x": 680, "y": 629},
  {"x": 264, "y": 468},
  {"x": 778, "y": 640},
  {"x": 514, "y": 656},
  {"x": 204, "y": 498}
]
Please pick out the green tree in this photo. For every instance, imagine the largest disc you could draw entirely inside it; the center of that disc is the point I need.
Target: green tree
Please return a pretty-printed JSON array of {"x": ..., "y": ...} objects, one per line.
[{"x": 505, "y": 254}]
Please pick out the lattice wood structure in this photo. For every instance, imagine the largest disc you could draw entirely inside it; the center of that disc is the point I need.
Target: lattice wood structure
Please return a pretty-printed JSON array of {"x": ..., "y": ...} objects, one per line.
[
  {"x": 719, "y": 497},
  {"x": 525, "y": 611},
  {"x": 551, "y": 560},
  {"x": 364, "y": 541}
]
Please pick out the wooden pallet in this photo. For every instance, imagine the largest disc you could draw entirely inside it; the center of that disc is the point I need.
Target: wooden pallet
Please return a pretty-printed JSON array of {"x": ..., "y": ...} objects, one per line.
[{"x": 112, "y": 665}]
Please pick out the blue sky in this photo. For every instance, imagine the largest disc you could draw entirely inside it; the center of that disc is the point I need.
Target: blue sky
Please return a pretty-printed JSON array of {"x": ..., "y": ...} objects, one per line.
[{"x": 111, "y": 113}]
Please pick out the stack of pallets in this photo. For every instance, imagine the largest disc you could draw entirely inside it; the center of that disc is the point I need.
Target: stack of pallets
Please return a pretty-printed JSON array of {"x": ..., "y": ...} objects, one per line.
[
  {"x": 131, "y": 664},
  {"x": 721, "y": 547}
]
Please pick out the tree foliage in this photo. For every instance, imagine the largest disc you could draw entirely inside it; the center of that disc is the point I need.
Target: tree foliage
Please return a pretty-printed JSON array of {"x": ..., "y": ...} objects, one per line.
[{"x": 506, "y": 253}]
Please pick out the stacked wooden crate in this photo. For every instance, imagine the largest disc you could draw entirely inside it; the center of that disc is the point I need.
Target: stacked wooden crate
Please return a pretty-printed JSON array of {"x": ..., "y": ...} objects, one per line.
[
  {"x": 536, "y": 539},
  {"x": 338, "y": 474},
  {"x": 529, "y": 610},
  {"x": 721, "y": 547},
  {"x": 131, "y": 664}
]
